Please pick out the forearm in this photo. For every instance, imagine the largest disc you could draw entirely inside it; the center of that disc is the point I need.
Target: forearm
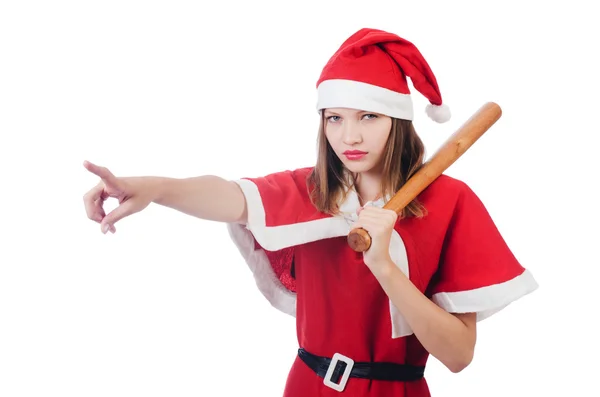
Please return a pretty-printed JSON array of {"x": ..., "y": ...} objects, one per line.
[
  {"x": 445, "y": 336},
  {"x": 206, "y": 197}
]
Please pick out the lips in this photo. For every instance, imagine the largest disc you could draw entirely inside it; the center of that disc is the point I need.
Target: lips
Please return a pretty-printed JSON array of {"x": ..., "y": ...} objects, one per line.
[{"x": 354, "y": 154}]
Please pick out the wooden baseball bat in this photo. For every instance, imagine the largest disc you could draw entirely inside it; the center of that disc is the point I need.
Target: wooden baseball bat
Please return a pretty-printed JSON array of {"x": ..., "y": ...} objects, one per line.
[{"x": 454, "y": 147}]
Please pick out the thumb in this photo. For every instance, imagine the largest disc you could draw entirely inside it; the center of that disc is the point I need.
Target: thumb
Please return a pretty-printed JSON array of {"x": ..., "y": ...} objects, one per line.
[
  {"x": 116, "y": 215},
  {"x": 367, "y": 204}
]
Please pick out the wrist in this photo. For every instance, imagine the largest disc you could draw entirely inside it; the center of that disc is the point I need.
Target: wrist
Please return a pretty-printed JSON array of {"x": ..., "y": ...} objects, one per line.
[
  {"x": 154, "y": 187},
  {"x": 383, "y": 269}
]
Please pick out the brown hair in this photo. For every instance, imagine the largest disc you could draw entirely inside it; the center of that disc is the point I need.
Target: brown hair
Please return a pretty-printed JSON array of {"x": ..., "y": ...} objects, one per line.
[{"x": 402, "y": 157}]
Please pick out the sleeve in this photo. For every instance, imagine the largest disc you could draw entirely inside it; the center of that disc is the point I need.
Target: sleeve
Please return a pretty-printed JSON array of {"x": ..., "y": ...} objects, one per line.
[
  {"x": 477, "y": 271},
  {"x": 266, "y": 242},
  {"x": 274, "y": 204}
]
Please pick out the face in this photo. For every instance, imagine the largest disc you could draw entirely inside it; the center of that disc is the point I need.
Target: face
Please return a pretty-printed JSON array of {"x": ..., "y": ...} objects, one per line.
[{"x": 357, "y": 137}]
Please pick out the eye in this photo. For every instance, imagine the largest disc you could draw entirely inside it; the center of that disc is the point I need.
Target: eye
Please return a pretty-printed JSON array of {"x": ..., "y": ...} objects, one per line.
[
  {"x": 370, "y": 116},
  {"x": 333, "y": 118}
]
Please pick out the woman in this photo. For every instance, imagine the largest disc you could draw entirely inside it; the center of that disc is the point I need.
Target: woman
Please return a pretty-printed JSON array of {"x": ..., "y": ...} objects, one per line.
[{"x": 367, "y": 322}]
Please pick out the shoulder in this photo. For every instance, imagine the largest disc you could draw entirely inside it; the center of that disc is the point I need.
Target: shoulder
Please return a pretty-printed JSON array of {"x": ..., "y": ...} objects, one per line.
[
  {"x": 289, "y": 186},
  {"x": 280, "y": 198},
  {"x": 447, "y": 185},
  {"x": 298, "y": 174},
  {"x": 446, "y": 191},
  {"x": 284, "y": 181}
]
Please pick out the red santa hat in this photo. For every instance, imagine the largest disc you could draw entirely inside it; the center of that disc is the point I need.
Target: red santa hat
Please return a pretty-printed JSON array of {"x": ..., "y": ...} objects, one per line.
[{"x": 369, "y": 71}]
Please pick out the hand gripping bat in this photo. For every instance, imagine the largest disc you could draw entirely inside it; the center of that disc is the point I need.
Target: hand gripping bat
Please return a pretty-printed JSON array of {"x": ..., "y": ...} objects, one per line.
[{"x": 454, "y": 147}]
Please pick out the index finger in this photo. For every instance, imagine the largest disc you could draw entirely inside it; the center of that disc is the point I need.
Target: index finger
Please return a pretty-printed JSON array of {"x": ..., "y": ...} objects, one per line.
[{"x": 102, "y": 172}]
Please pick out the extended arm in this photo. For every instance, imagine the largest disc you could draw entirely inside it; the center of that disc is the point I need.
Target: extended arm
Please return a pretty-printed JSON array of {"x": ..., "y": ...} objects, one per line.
[{"x": 206, "y": 197}]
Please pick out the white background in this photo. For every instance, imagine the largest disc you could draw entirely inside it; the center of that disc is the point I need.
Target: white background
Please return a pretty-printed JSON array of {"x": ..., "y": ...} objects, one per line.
[{"x": 166, "y": 306}]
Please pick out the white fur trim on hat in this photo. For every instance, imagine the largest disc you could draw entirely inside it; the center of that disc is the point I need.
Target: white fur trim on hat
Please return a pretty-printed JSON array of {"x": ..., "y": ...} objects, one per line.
[
  {"x": 339, "y": 93},
  {"x": 439, "y": 114}
]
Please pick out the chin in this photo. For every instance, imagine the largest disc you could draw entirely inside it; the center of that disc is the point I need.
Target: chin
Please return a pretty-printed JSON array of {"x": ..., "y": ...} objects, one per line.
[{"x": 357, "y": 166}]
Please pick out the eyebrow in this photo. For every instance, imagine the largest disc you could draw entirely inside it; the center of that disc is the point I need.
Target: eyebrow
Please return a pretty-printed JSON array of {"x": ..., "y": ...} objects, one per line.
[{"x": 362, "y": 112}]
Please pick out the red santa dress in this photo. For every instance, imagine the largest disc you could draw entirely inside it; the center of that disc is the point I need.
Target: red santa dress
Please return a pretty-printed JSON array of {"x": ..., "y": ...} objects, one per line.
[{"x": 303, "y": 265}]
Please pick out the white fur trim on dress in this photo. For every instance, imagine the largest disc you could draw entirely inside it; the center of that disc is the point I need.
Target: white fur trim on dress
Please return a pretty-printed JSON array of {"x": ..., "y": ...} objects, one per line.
[
  {"x": 266, "y": 279},
  {"x": 274, "y": 238},
  {"x": 486, "y": 301}
]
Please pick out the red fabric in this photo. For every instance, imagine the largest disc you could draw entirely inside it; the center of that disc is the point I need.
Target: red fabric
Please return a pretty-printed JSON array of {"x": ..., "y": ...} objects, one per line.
[
  {"x": 341, "y": 306},
  {"x": 382, "y": 59},
  {"x": 281, "y": 263},
  {"x": 474, "y": 253},
  {"x": 285, "y": 197}
]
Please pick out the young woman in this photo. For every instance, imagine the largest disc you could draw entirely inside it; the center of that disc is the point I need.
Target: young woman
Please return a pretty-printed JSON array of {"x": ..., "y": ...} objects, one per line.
[{"x": 366, "y": 322}]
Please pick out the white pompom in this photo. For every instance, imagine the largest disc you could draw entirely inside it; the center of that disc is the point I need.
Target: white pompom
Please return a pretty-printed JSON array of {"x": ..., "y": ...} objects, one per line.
[{"x": 439, "y": 114}]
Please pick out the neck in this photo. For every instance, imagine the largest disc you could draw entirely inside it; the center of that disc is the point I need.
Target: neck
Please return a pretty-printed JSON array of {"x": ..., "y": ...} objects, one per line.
[{"x": 368, "y": 187}]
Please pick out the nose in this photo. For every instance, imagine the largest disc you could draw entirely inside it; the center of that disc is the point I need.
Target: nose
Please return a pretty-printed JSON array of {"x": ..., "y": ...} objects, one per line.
[{"x": 351, "y": 134}]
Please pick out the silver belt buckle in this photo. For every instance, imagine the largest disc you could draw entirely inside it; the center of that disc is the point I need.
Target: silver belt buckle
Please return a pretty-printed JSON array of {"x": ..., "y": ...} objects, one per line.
[{"x": 344, "y": 379}]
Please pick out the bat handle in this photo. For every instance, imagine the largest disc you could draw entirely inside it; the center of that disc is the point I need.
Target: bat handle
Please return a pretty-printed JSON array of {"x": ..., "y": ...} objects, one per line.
[{"x": 359, "y": 240}]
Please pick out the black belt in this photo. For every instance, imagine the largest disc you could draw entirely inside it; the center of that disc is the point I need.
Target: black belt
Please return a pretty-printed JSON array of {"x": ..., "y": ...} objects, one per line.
[{"x": 365, "y": 370}]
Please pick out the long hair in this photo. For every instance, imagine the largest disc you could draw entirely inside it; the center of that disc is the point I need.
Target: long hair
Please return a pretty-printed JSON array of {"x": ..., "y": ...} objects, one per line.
[{"x": 403, "y": 156}]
